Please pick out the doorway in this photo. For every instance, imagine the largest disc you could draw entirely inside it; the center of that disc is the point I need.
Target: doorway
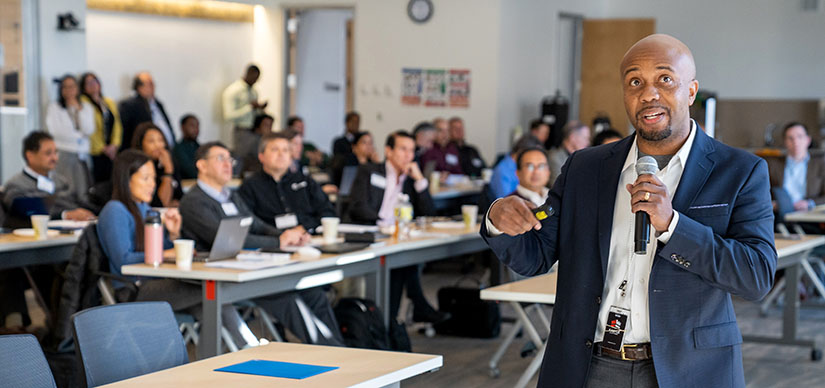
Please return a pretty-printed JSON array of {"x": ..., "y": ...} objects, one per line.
[{"x": 319, "y": 71}]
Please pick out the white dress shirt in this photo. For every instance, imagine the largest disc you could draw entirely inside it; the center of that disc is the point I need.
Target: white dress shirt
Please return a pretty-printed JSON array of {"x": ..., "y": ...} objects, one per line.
[
  {"x": 622, "y": 262},
  {"x": 237, "y": 109},
  {"x": 71, "y": 130},
  {"x": 532, "y": 196},
  {"x": 160, "y": 121}
]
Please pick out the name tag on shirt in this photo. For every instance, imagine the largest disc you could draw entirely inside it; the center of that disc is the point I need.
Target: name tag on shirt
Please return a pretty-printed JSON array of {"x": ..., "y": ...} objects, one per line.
[
  {"x": 451, "y": 159},
  {"x": 45, "y": 184},
  {"x": 229, "y": 209},
  {"x": 286, "y": 221},
  {"x": 299, "y": 185},
  {"x": 378, "y": 181}
]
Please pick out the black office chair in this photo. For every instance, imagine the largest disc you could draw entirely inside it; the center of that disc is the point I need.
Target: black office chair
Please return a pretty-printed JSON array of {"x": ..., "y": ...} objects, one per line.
[
  {"x": 24, "y": 365},
  {"x": 126, "y": 340}
]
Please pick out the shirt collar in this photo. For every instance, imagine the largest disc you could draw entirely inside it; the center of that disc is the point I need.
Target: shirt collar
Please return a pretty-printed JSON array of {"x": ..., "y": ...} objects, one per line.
[
  {"x": 34, "y": 174},
  {"x": 220, "y": 196},
  {"x": 680, "y": 156},
  {"x": 393, "y": 173},
  {"x": 790, "y": 161},
  {"x": 534, "y": 197}
]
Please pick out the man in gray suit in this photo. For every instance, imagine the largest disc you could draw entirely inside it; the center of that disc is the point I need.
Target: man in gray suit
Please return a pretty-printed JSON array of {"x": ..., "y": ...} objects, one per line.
[
  {"x": 307, "y": 313},
  {"x": 38, "y": 180}
]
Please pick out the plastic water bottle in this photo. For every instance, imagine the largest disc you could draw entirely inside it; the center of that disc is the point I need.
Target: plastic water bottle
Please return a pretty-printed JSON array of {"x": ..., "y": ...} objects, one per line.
[
  {"x": 153, "y": 239},
  {"x": 403, "y": 217}
]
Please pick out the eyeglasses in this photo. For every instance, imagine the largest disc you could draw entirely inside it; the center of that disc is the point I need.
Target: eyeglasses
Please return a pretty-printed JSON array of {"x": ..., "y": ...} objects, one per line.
[
  {"x": 222, "y": 159},
  {"x": 533, "y": 167}
]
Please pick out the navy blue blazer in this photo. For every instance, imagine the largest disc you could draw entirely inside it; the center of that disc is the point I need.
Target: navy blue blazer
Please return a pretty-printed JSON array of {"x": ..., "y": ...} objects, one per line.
[{"x": 722, "y": 246}]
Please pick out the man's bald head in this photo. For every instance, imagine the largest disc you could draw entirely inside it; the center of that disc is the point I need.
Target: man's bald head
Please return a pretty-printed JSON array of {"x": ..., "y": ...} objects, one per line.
[{"x": 659, "y": 84}]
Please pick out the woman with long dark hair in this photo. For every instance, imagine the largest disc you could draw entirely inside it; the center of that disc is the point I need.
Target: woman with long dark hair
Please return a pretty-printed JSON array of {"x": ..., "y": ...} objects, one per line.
[
  {"x": 149, "y": 139},
  {"x": 108, "y": 133},
  {"x": 71, "y": 122}
]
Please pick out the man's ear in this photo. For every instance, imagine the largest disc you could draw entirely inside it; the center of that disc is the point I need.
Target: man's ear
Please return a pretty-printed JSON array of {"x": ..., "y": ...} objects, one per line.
[
  {"x": 692, "y": 90},
  {"x": 201, "y": 165}
]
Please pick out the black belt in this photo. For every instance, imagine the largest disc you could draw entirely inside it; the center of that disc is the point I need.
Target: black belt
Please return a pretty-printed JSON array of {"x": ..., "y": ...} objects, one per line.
[{"x": 629, "y": 352}]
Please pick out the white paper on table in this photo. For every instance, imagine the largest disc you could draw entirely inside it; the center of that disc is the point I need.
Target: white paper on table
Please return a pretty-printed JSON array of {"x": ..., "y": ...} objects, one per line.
[
  {"x": 248, "y": 265},
  {"x": 351, "y": 228}
]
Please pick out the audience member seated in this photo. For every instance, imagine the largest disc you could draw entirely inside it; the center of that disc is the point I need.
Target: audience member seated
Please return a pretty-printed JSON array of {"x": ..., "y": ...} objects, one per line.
[
  {"x": 607, "y": 136},
  {"x": 184, "y": 152},
  {"x": 106, "y": 139},
  {"x": 310, "y": 156},
  {"x": 800, "y": 175},
  {"x": 72, "y": 122},
  {"x": 296, "y": 147},
  {"x": 540, "y": 130},
  {"x": 505, "y": 179},
  {"x": 40, "y": 180},
  {"x": 443, "y": 156},
  {"x": 241, "y": 106},
  {"x": 342, "y": 146},
  {"x": 468, "y": 157},
  {"x": 247, "y": 146},
  {"x": 363, "y": 152},
  {"x": 375, "y": 193},
  {"x": 533, "y": 175},
  {"x": 424, "y": 134},
  {"x": 149, "y": 139},
  {"x": 574, "y": 136},
  {"x": 284, "y": 199},
  {"x": 202, "y": 209},
  {"x": 143, "y": 107}
]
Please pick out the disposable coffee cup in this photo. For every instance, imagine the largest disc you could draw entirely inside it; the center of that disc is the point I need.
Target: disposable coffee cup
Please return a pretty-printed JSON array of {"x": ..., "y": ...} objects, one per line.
[
  {"x": 469, "y": 213},
  {"x": 330, "y": 225},
  {"x": 487, "y": 175},
  {"x": 40, "y": 224},
  {"x": 184, "y": 249},
  {"x": 435, "y": 181}
]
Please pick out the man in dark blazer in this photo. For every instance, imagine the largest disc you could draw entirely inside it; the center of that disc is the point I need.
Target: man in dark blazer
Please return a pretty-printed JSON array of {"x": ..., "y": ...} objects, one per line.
[
  {"x": 374, "y": 194},
  {"x": 142, "y": 107},
  {"x": 663, "y": 317},
  {"x": 801, "y": 175}
]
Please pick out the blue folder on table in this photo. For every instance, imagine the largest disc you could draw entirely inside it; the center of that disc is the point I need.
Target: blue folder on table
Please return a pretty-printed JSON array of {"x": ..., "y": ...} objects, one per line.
[{"x": 287, "y": 370}]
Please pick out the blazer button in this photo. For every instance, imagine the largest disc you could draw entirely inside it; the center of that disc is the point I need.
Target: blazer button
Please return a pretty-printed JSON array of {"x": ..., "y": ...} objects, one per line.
[
  {"x": 674, "y": 256},
  {"x": 588, "y": 344},
  {"x": 687, "y": 264},
  {"x": 598, "y": 300}
]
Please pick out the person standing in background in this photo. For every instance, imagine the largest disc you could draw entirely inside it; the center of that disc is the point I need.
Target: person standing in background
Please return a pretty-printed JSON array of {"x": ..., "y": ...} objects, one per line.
[
  {"x": 241, "y": 105},
  {"x": 143, "y": 107},
  {"x": 71, "y": 123},
  {"x": 108, "y": 134},
  {"x": 184, "y": 152}
]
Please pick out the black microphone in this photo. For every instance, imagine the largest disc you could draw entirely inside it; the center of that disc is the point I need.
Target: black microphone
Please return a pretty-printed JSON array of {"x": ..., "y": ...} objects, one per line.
[{"x": 645, "y": 165}]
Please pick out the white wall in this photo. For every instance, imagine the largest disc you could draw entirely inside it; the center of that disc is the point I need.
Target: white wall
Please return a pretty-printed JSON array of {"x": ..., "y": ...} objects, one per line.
[
  {"x": 744, "y": 48},
  {"x": 191, "y": 60},
  {"x": 321, "y": 64}
]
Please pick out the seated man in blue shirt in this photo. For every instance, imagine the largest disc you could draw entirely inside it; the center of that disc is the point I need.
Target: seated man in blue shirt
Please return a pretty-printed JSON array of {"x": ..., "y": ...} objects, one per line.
[
  {"x": 799, "y": 174},
  {"x": 505, "y": 180},
  {"x": 202, "y": 209}
]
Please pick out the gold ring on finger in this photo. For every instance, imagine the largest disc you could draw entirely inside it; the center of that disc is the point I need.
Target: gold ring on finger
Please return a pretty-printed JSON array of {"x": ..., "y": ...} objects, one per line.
[{"x": 647, "y": 195}]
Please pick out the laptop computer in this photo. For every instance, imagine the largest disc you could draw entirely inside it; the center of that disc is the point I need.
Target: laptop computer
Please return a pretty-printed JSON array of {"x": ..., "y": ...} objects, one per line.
[
  {"x": 347, "y": 179},
  {"x": 228, "y": 241}
]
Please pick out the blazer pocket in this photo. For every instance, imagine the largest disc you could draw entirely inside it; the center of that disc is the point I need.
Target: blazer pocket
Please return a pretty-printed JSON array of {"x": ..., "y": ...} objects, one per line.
[
  {"x": 717, "y": 336},
  {"x": 710, "y": 210}
]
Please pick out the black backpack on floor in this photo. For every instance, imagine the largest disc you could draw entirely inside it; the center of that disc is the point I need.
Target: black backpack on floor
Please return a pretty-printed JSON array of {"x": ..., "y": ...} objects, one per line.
[
  {"x": 470, "y": 315},
  {"x": 362, "y": 326}
]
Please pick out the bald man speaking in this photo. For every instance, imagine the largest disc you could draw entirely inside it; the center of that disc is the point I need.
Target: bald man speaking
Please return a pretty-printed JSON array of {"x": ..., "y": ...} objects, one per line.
[{"x": 663, "y": 317}]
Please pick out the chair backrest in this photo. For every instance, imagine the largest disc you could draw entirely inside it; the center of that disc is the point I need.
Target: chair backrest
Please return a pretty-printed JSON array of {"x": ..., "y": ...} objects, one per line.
[
  {"x": 126, "y": 340},
  {"x": 23, "y": 363}
]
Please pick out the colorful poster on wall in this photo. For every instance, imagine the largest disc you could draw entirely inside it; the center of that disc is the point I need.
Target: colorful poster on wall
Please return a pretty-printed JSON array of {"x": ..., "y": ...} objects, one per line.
[
  {"x": 411, "y": 86},
  {"x": 459, "y": 88},
  {"x": 435, "y": 87}
]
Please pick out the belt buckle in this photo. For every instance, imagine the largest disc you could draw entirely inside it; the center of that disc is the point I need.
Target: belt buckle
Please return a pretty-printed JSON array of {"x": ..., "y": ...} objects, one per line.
[{"x": 624, "y": 358}]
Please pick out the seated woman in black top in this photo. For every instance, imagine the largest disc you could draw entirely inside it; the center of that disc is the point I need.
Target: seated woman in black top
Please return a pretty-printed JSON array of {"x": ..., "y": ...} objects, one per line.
[
  {"x": 149, "y": 139},
  {"x": 363, "y": 152}
]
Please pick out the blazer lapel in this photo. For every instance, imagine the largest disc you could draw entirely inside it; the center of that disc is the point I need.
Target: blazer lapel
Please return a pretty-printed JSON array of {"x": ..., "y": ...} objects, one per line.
[
  {"x": 610, "y": 171},
  {"x": 697, "y": 169}
]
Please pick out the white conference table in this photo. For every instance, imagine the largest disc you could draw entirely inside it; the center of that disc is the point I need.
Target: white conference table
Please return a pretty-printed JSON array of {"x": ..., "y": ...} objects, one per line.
[
  {"x": 221, "y": 286},
  {"x": 792, "y": 256},
  {"x": 356, "y": 368},
  {"x": 816, "y": 215},
  {"x": 537, "y": 290}
]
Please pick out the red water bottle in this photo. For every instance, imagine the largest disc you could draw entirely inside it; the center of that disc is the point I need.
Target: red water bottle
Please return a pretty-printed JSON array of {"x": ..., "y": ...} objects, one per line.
[{"x": 153, "y": 239}]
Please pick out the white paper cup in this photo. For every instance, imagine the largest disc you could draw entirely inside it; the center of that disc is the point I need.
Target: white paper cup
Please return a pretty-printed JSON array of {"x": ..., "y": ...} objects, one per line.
[
  {"x": 330, "y": 225},
  {"x": 184, "y": 249},
  {"x": 470, "y": 214},
  {"x": 487, "y": 175},
  {"x": 435, "y": 181},
  {"x": 40, "y": 224}
]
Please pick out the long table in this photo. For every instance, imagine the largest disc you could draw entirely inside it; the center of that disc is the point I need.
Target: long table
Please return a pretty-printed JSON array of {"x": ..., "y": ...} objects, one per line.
[
  {"x": 17, "y": 251},
  {"x": 792, "y": 256},
  {"x": 221, "y": 286},
  {"x": 356, "y": 368}
]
